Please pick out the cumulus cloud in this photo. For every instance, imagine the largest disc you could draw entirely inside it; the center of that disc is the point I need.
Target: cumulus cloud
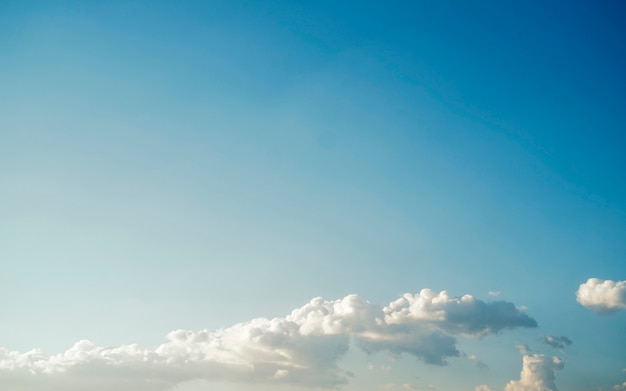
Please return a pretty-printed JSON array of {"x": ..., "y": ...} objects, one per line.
[
  {"x": 557, "y": 342},
  {"x": 602, "y": 296},
  {"x": 464, "y": 315},
  {"x": 537, "y": 374},
  {"x": 620, "y": 387},
  {"x": 302, "y": 348}
]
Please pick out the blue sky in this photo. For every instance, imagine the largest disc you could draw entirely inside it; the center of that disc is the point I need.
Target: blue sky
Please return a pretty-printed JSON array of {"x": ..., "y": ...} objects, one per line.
[{"x": 196, "y": 165}]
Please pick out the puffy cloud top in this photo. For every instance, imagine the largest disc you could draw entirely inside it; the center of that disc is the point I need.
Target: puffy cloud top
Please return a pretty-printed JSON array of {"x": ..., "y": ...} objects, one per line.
[
  {"x": 537, "y": 374},
  {"x": 302, "y": 348},
  {"x": 465, "y": 316},
  {"x": 602, "y": 296}
]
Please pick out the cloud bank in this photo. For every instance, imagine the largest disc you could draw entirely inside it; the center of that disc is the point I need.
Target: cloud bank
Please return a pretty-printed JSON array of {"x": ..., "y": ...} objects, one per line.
[
  {"x": 602, "y": 296},
  {"x": 302, "y": 348}
]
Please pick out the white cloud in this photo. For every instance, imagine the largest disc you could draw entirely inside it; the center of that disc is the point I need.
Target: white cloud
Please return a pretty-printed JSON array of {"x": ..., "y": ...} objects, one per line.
[
  {"x": 620, "y": 387},
  {"x": 494, "y": 293},
  {"x": 464, "y": 315},
  {"x": 523, "y": 349},
  {"x": 302, "y": 348},
  {"x": 557, "y": 342},
  {"x": 537, "y": 374},
  {"x": 602, "y": 296}
]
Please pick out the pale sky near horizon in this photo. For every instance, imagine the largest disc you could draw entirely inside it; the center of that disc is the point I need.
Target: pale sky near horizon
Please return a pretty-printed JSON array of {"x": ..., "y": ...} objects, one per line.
[{"x": 447, "y": 176}]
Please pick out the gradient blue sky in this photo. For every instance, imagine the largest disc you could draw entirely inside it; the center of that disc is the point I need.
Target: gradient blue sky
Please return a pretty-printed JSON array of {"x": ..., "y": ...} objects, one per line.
[{"x": 195, "y": 164}]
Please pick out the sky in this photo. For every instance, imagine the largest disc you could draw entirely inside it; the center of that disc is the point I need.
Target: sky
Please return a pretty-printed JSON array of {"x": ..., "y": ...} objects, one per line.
[{"x": 296, "y": 195}]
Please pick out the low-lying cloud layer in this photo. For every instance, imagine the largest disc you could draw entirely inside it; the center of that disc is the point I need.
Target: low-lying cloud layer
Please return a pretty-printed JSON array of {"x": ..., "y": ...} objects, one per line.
[
  {"x": 602, "y": 296},
  {"x": 302, "y": 348}
]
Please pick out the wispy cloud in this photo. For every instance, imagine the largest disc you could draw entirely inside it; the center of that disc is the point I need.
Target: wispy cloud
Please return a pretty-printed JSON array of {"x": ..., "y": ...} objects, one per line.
[
  {"x": 620, "y": 387},
  {"x": 475, "y": 359},
  {"x": 406, "y": 386},
  {"x": 557, "y": 342},
  {"x": 523, "y": 349},
  {"x": 301, "y": 348}
]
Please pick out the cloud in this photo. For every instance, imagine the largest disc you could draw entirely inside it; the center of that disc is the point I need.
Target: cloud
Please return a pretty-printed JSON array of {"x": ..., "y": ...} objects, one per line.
[
  {"x": 620, "y": 387},
  {"x": 557, "y": 342},
  {"x": 479, "y": 363},
  {"x": 494, "y": 293},
  {"x": 523, "y": 349},
  {"x": 602, "y": 296},
  {"x": 406, "y": 386},
  {"x": 372, "y": 367},
  {"x": 464, "y": 316},
  {"x": 302, "y": 348},
  {"x": 537, "y": 374}
]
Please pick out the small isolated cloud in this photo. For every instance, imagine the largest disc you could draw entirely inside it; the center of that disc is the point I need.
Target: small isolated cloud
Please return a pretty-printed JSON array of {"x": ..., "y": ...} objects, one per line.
[
  {"x": 537, "y": 374},
  {"x": 302, "y": 348},
  {"x": 523, "y": 349},
  {"x": 372, "y": 367},
  {"x": 494, "y": 293},
  {"x": 602, "y": 296},
  {"x": 479, "y": 363},
  {"x": 557, "y": 342},
  {"x": 280, "y": 373},
  {"x": 620, "y": 387}
]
